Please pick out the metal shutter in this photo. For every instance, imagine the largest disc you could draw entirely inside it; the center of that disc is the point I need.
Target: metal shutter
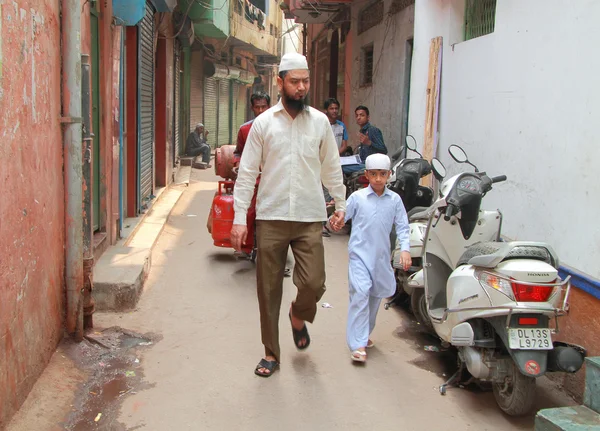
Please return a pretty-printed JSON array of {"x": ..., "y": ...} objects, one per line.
[
  {"x": 146, "y": 102},
  {"x": 224, "y": 112},
  {"x": 196, "y": 90},
  {"x": 210, "y": 109},
  {"x": 177, "y": 103},
  {"x": 240, "y": 103}
]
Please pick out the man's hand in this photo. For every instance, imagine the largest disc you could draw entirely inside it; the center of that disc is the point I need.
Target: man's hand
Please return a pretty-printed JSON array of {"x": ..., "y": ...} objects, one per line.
[
  {"x": 239, "y": 232},
  {"x": 364, "y": 138},
  {"x": 337, "y": 220},
  {"x": 405, "y": 260}
]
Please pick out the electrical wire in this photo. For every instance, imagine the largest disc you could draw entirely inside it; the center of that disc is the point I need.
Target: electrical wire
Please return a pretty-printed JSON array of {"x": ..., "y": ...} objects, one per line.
[{"x": 184, "y": 17}]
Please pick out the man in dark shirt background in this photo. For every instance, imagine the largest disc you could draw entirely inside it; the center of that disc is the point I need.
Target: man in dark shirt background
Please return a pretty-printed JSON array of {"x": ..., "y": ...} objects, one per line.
[
  {"x": 259, "y": 103},
  {"x": 370, "y": 138},
  {"x": 196, "y": 144}
]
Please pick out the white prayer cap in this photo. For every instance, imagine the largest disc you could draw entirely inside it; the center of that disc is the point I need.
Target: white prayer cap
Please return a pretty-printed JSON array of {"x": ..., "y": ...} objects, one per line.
[
  {"x": 199, "y": 125},
  {"x": 378, "y": 161},
  {"x": 293, "y": 61}
]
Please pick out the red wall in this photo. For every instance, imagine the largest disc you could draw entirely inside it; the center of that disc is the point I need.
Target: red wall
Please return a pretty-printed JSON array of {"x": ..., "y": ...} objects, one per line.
[{"x": 32, "y": 199}]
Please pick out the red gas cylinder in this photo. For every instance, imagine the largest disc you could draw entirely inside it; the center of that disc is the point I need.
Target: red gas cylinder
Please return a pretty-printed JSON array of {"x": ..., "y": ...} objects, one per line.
[
  {"x": 222, "y": 214},
  {"x": 225, "y": 162}
]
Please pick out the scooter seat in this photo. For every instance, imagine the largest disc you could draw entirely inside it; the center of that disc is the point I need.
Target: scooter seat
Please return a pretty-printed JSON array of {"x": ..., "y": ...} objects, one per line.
[{"x": 490, "y": 254}]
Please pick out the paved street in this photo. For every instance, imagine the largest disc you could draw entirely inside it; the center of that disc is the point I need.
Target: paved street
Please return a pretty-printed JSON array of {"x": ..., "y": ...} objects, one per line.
[{"x": 201, "y": 305}]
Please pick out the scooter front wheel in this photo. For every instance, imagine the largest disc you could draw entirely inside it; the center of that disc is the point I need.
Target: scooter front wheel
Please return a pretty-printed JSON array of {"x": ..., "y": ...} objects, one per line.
[
  {"x": 418, "y": 306},
  {"x": 515, "y": 395}
]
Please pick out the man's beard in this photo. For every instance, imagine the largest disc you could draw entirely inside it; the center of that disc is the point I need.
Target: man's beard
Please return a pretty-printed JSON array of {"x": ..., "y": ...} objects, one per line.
[{"x": 294, "y": 104}]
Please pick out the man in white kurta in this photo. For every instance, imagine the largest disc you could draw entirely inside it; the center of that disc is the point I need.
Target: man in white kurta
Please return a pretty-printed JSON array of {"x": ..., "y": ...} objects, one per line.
[
  {"x": 374, "y": 211},
  {"x": 296, "y": 148}
]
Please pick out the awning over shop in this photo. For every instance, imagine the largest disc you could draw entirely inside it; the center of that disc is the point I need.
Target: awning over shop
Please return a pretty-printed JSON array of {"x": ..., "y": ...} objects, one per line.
[{"x": 131, "y": 12}]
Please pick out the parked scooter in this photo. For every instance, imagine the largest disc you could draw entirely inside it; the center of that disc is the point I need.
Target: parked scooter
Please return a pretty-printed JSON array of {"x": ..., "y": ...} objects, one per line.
[
  {"x": 493, "y": 300},
  {"x": 404, "y": 180}
]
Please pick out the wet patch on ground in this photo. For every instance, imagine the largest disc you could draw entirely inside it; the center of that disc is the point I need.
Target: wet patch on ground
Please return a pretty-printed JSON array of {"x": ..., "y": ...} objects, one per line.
[
  {"x": 433, "y": 356},
  {"x": 112, "y": 360}
]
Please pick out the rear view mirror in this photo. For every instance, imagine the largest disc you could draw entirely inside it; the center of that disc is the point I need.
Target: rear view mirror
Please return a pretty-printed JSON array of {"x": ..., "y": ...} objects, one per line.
[
  {"x": 411, "y": 144},
  {"x": 458, "y": 154},
  {"x": 439, "y": 170}
]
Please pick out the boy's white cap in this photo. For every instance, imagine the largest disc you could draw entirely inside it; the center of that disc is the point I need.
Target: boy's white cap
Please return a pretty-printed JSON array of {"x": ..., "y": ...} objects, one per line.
[
  {"x": 378, "y": 161},
  {"x": 293, "y": 61}
]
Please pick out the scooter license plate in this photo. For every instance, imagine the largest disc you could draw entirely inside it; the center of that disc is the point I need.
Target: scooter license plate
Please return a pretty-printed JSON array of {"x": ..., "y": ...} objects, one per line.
[{"x": 529, "y": 339}]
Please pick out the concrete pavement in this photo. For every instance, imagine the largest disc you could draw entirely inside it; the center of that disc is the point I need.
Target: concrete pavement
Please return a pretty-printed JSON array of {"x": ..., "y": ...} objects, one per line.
[{"x": 201, "y": 303}]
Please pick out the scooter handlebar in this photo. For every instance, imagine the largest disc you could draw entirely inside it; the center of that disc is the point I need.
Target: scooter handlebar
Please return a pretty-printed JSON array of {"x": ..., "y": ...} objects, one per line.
[
  {"x": 498, "y": 179},
  {"x": 449, "y": 212}
]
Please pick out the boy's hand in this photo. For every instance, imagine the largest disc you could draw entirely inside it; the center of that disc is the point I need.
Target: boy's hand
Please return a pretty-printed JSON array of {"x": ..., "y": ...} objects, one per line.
[
  {"x": 337, "y": 221},
  {"x": 405, "y": 260}
]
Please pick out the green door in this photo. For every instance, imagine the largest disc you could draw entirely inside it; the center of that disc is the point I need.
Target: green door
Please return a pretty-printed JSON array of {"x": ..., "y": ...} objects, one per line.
[{"x": 95, "y": 119}]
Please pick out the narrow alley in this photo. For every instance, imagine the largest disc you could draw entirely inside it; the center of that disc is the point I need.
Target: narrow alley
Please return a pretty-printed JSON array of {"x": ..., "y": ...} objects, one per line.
[
  {"x": 118, "y": 119},
  {"x": 200, "y": 304}
]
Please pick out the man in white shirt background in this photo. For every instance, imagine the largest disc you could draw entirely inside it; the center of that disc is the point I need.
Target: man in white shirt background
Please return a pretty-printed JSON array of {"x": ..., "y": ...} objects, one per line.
[{"x": 296, "y": 148}]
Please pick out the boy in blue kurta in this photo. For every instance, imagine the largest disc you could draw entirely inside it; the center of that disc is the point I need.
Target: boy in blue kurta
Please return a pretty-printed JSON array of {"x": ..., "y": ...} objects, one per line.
[{"x": 374, "y": 211}]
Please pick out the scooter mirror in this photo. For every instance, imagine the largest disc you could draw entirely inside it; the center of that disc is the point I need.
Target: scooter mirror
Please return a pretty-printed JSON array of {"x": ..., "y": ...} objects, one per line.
[
  {"x": 458, "y": 154},
  {"x": 411, "y": 143},
  {"x": 439, "y": 170}
]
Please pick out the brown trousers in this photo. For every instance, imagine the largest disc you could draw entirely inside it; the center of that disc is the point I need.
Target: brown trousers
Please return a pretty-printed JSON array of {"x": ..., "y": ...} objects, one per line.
[{"x": 273, "y": 240}]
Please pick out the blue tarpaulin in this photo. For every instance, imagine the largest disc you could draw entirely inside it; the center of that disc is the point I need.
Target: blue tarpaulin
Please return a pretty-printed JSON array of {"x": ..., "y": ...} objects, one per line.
[{"x": 130, "y": 12}]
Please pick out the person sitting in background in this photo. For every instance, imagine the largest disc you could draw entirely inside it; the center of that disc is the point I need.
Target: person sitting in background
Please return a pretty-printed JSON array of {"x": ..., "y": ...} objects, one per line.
[
  {"x": 196, "y": 144},
  {"x": 370, "y": 137}
]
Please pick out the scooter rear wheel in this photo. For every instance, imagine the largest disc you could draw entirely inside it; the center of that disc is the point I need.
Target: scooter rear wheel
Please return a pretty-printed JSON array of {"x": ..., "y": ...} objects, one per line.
[{"x": 516, "y": 394}]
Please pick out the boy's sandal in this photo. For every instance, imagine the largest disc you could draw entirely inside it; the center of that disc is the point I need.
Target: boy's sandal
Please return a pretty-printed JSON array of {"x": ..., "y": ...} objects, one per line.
[
  {"x": 359, "y": 356},
  {"x": 299, "y": 335},
  {"x": 370, "y": 344},
  {"x": 266, "y": 365}
]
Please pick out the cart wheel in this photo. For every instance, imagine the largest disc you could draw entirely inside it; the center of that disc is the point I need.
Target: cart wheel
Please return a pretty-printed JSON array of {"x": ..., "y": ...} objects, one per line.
[
  {"x": 386, "y": 306},
  {"x": 442, "y": 390}
]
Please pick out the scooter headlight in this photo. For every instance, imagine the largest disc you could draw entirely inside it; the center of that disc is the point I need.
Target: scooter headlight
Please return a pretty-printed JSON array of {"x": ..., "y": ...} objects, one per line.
[{"x": 487, "y": 279}]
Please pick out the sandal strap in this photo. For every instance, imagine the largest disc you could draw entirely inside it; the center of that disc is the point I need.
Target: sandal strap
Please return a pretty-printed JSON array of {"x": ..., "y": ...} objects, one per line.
[
  {"x": 359, "y": 352},
  {"x": 269, "y": 365}
]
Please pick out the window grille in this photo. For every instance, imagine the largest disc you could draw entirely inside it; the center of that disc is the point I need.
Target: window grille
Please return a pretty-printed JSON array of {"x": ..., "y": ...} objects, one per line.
[
  {"x": 480, "y": 18},
  {"x": 370, "y": 16},
  {"x": 367, "y": 65}
]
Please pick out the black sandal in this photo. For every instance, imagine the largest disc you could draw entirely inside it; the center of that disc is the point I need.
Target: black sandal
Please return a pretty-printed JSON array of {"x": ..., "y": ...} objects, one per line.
[
  {"x": 267, "y": 365},
  {"x": 300, "y": 334}
]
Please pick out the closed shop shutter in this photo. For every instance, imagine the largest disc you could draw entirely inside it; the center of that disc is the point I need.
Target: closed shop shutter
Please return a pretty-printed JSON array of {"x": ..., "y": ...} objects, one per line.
[
  {"x": 240, "y": 103},
  {"x": 196, "y": 90},
  {"x": 224, "y": 112},
  {"x": 146, "y": 92},
  {"x": 211, "y": 86},
  {"x": 323, "y": 62},
  {"x": 177, "y": 102}
]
